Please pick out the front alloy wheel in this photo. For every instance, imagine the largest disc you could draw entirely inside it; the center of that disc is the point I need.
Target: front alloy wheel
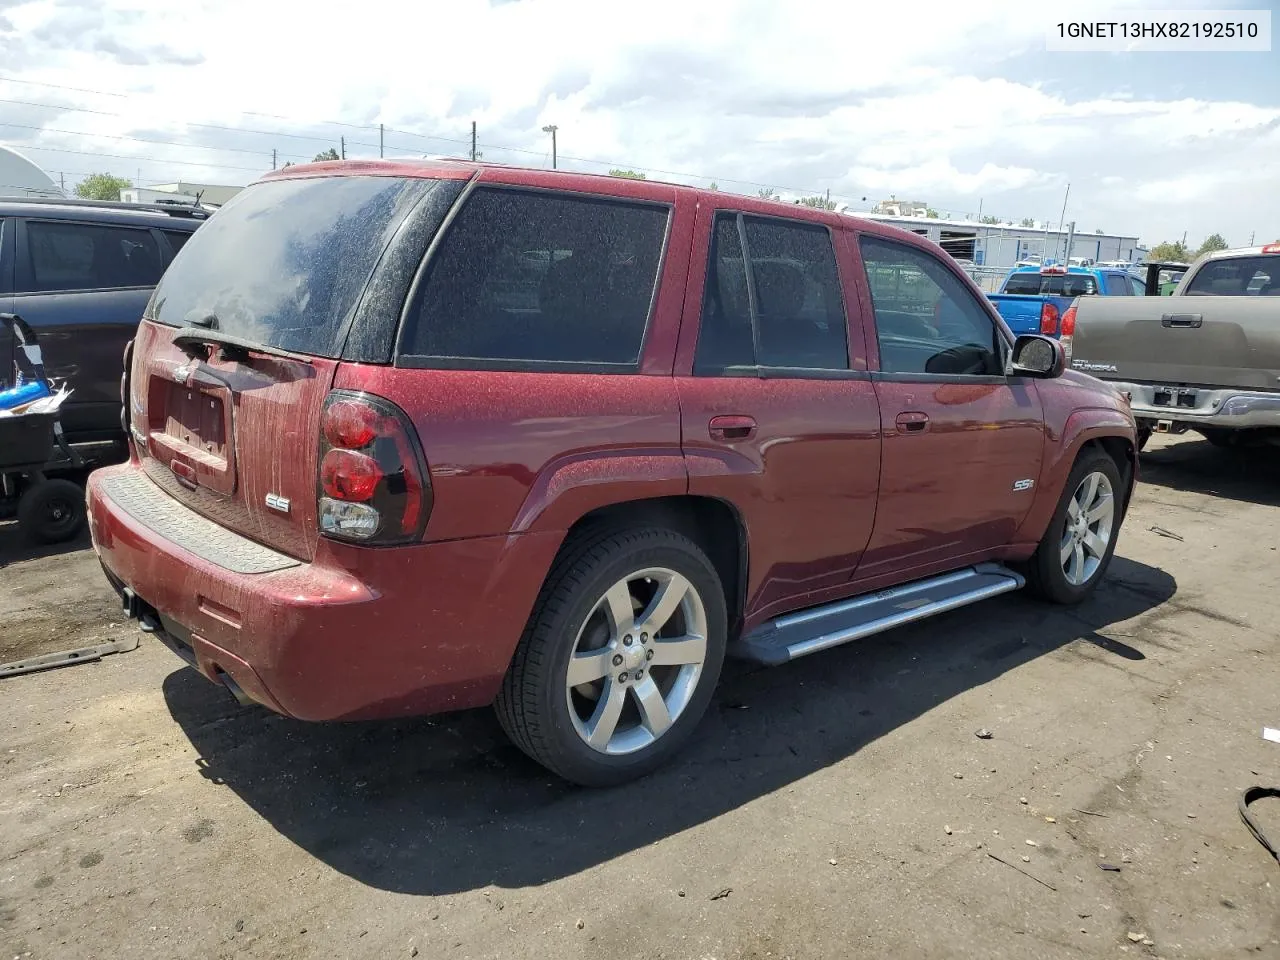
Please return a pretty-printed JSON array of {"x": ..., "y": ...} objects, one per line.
[{"x": 1086, "y": 536}]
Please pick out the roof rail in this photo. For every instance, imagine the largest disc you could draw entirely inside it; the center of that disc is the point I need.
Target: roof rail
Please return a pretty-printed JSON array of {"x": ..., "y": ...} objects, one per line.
[{"x": 173, "y": 208}]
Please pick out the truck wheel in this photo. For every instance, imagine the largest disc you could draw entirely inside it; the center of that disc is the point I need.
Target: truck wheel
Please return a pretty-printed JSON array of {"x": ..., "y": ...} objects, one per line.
[
  {"x": 619, "y": 659},
  {"x": 51, "y": 511},
  {"x": 1081, "y": 537}
]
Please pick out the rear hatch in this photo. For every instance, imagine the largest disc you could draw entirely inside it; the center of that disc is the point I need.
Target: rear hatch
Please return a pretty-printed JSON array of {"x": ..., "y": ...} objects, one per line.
[
  {"x": 240, "y": 343},
  {"x": 1207, "y": 341}
]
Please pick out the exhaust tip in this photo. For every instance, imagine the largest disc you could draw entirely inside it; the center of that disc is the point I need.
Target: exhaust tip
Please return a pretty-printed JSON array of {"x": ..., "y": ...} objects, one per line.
[{"x": 237, "y": 691}]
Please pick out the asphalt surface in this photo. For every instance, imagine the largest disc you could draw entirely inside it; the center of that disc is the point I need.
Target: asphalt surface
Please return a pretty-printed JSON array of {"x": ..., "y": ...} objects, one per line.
[{"x": 840, "y": 806}]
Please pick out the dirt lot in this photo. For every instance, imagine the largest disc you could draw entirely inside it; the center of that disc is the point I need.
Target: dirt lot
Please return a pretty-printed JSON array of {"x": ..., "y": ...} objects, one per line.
[{"x": 841, "y": 806}]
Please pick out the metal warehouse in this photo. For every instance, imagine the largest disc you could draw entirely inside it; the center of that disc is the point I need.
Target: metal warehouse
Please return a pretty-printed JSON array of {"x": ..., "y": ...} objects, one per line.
[{"x": 1000, "y": 246}]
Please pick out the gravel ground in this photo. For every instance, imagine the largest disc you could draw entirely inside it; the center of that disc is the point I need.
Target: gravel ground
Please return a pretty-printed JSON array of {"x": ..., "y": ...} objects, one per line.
[{"x": 839, "y": 806}]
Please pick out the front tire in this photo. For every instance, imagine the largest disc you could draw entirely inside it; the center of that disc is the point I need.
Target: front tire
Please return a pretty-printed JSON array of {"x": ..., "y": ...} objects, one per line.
[
  {"x": 620, "y": 658},
  {"x": 1081, "y": 537}
]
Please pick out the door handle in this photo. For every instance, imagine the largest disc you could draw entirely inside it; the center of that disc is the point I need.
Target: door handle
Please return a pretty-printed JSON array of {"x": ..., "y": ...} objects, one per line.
[
  {"x": 1193, "y": 320},
  {"x": 730, "y": 429},
  {"x": 913, "y": 421}
]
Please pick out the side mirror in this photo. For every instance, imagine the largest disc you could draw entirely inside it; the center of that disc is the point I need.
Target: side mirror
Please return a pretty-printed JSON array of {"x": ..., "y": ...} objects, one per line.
[{"x": 1040, "y": 357}]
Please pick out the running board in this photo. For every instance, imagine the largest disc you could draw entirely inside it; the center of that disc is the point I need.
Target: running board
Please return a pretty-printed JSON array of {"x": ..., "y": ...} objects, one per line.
[{"x": 820, "y": 628}]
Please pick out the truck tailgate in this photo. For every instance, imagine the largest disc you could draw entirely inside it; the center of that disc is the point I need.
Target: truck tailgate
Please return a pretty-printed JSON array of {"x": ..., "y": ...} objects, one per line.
[
  {"x": 1209, "y": 341},
  {"x": 1021, "y": 311}
]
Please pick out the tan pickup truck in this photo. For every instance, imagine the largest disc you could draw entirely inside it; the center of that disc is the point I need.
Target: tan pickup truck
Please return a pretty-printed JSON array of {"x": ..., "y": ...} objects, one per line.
[{"x": 1206, "y": 358}]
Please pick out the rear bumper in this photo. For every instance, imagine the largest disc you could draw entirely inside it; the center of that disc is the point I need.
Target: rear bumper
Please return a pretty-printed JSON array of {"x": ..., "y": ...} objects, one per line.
[
  {"x": 1226, "y": 408},
  {"x": 359, "y": 633}
]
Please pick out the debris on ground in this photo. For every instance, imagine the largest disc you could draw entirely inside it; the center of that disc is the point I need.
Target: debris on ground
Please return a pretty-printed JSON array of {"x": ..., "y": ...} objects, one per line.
[
  {"x": 1270, "y": 733},
  {"x": 1030, "y": 876},
  {"x": 580, "y": 924},
  {"x": 1167, "y": 533},
  {"x": 65, "y": 658},
  {"x": 983, "y": 734},
  {"x": 1137, "y": 937},
  {"x": 721, "y": 894},
  {"x": 1023, "y": 801},
  {"x": 1109, "y": 867},
  {"x": 947, "y": 831}
]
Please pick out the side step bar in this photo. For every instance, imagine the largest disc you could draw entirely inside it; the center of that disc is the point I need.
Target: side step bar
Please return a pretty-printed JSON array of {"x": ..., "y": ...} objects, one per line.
[{"x": 820, "y": 628}]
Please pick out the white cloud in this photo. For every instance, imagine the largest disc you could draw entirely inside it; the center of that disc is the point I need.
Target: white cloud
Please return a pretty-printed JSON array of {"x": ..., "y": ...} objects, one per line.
[{"x": 865, "y": 100}]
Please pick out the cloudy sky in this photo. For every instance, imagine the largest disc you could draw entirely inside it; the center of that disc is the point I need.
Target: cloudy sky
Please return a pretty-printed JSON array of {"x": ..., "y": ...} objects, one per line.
[{"x": 956, "y": 104}]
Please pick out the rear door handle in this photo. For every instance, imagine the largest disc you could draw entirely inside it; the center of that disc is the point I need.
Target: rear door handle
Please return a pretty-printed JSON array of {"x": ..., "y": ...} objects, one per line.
[
  {"x": 731, "y": 429},
  {"x": 913, "y": 421}
]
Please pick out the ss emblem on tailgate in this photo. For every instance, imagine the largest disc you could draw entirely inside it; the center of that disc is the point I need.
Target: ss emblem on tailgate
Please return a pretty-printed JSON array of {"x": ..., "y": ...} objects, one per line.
[{"x": 276, "y": 502}]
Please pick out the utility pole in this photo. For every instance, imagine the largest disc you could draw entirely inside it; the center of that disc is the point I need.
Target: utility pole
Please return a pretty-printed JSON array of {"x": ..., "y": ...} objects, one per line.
[
  {"x": 343, "y": 143},
  {"x": 551, "y": 128},
  {"x": 1252, "y": 234},
  {"x": 979, "y": 209},
  {"x": 1071, "y": 233},
  {"x": 62, "y": 182},
  {"x": 473, "y": 141},
  {"x": 381, "y": 132},
  {"x": 273, "y": 158}
]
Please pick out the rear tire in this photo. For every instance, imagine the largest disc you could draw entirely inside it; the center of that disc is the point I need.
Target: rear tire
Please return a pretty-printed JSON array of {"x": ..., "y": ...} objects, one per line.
[
  {"x": 1081, "y": 537},
  {"x": 620, "y": 657},
  {"x": 51, "y": 511}
]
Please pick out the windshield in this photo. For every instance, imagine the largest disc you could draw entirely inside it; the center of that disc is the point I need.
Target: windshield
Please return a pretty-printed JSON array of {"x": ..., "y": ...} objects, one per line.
[
  {"x": 284, "y": 263},
  {"x": 1237, "y": 277}
]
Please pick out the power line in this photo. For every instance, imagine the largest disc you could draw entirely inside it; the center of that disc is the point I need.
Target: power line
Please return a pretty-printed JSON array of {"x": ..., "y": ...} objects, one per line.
[
  {"x": 137, "y": 159},
  {"x": 167, "y": 143}
]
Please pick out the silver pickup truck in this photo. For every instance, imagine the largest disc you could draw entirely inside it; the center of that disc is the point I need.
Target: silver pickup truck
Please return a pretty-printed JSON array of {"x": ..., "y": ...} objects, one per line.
[{"x": 1206, "y": 358}]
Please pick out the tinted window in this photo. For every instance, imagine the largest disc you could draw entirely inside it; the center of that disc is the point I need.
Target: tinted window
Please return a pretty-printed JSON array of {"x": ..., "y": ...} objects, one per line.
[
  {"x": 793, "y": 303},
  {"x": 284, "y": 262},
  {"x": 927, "y": 321},
  {"x": 82, "y": 256},
  {"x": 1117, "y": 285},
  {"x": 1237, "y": 277},
  {"x": 1139, "y": 287},
  {"x": 176, "y": 239},
  {"x": 525, "y": 276},
  {"x": 1052, "y": 284}
]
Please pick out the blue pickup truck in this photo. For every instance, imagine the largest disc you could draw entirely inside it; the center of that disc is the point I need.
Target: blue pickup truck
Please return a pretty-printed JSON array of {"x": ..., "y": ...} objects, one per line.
[{"x": 1033, "y": 299}]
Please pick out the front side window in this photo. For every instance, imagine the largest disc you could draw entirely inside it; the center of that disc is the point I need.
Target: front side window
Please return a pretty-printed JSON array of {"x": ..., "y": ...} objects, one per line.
[
  {"x": 534, "y": 277},
  {"x": 84, "y": 256},
  {"x": 784, "y": 312},
  {"x": 927, "y": 321}
]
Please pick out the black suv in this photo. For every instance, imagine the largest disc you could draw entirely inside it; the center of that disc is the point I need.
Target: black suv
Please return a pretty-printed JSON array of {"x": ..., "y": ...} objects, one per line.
[{"x": 81, "y": 272}]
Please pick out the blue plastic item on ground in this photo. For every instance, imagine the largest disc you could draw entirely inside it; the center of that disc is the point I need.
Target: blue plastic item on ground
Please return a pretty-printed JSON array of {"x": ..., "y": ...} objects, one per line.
[{"x": 23, "y": 393}]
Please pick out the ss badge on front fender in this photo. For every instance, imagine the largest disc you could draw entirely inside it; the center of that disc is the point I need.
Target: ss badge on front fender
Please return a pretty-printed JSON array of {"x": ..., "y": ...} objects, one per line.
[{"x": 1023, "y": 484}]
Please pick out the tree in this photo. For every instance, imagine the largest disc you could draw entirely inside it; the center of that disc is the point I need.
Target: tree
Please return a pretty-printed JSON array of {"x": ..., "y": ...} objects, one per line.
[
  {"x": 101, "y": 186},
  {"x": 818, "y": 202},
  {"x": 627, "y": 174},
  {"x": 1175, "y": 251},
  {"x": 767, "y": 194},
  {"x": 714, "y": 186},
  {"x": 1214, "y": 241},
  {"x": 990, "y": 218},
  {"x": 330, "y": 154},
  {"x": 931, "y": 213},
  {"x": 1026, "y": 222}
]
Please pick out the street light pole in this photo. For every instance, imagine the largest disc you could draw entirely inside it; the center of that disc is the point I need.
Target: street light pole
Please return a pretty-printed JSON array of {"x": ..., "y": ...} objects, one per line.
[{"x": 551, "y": 128}]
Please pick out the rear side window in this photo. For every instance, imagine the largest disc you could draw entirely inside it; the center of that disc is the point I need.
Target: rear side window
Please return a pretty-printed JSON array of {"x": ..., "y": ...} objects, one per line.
[
  {"x": 788, "y": 315},
  {"x": 527, "y": 278},
  {"x": 1023, "y": 283},
  {"x": 1118, "y": 285},
  {"x": 283, "y": 264},
  {"x": 83, "y": 256},
  {"x": 176, "y": 239},
  {"x": 1237, "y": 277}
]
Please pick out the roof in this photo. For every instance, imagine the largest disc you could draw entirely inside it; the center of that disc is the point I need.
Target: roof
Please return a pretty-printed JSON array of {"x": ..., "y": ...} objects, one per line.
[
  {"x": 106, "y": 210},
  {"x": 993, "y": 227},
  {"x": 1270, "y": 249},
  {"x": 21, "y": 177}
]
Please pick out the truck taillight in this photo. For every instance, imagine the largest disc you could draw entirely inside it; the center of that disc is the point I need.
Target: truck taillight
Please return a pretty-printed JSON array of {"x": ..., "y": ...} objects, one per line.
[
  {"x": 1068, "y": 330},
  {"x": 373, "y": 486},
  {"x": 1048, "y": 319}
]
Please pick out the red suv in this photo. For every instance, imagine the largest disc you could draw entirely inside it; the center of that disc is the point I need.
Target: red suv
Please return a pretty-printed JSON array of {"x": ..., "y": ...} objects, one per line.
[{"x": 417, "y": 437}]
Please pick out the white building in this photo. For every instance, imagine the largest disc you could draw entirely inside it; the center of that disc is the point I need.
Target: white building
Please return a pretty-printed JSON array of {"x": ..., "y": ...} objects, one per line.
[
  {"x": 213, "y": 194},
  {"x": 999, "y": 246},
  {"x": 19, "y": 177}
]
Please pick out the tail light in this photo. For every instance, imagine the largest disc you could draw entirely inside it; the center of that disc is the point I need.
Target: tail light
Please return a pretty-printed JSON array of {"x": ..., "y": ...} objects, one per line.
[
  {"x": 1068, "y": 330},
  {"x": 1048, "y": 319},
  {"x": 373, "y": 486}
]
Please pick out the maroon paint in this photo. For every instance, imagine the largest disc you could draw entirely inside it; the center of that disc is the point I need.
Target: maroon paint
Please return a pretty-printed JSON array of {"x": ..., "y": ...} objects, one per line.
[{"x": 841, "y": 484}]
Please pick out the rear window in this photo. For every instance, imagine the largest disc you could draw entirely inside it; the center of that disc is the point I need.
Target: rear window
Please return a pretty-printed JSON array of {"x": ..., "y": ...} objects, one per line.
[
  {"x": 530, "y": 278},
  {"x": 284, "y": 263},
  {"x": 1237, "y": 277},
  {"x": 1051, "y": 285}
]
